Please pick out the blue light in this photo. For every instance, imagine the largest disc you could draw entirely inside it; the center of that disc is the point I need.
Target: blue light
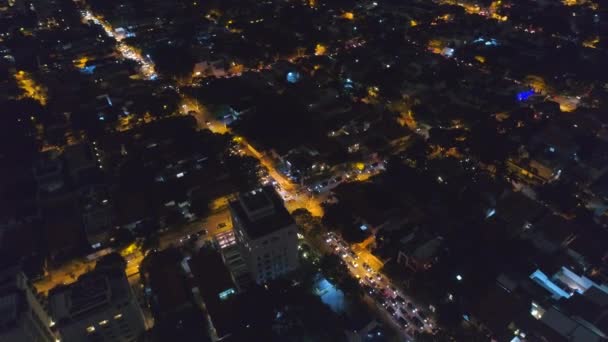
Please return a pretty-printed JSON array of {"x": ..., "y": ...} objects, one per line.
[
  {"x": 489, "y": 42},
  {"x": 541, "y": 278},
  {"x": 490, "y": 213},
  {"x": 524, "y": 95},
  {"x": 348, "y": 83},
  {"x": 88, "y": 69},
  {"x": 293, "y": 77},
  {"x": 447, "y": 52},
  {"x": 226, "y": 294},
  {"x": 330, "y": 295}
]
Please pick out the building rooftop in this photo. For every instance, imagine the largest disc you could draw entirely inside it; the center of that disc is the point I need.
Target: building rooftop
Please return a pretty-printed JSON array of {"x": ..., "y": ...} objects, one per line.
[
  {"x": 217, "y": 290},
  {"x": 93, "y": 291},
  {"x": 167, "y": 283},
  {"x": 516, "y": 210},
  {"x": 261, "y": 212},
  {"x": 255, "y": 200}
]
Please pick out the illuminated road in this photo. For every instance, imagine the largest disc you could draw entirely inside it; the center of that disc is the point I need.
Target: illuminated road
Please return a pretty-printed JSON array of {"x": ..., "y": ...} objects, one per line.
[
  {"x": 394, "y": 305},
  {"x": 216, "y": 223},
  {"x": 294, "y": 196},
  {"x": 66, "y": 274},
  {"x": 70, "y": 271},
  {"x": 146, "y": 66}
]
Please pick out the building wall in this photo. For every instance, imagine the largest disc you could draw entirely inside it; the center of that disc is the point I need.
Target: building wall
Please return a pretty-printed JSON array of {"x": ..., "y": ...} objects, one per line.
[
  {"x": 104, "y": 313},
  {"x": 34, "y": 323},
  {"x": 28, "y": 329},
  {"x": 269, "y": 256},
  {"x": 122, "y": 323}
]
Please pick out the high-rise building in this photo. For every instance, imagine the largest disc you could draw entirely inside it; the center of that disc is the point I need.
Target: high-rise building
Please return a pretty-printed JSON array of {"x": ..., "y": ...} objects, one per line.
[
  {"x": 266, "y": 234},
  {"x": 100, "y": 306},
  {"x": 22, "y": 314}
]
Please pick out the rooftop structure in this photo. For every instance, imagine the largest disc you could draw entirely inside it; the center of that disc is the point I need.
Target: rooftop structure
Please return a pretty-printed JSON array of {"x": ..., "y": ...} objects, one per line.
[
  {"x": 265, "y": 234},
  {"x": 99, "y": 306},
  {"x": 260, "y": 212}
]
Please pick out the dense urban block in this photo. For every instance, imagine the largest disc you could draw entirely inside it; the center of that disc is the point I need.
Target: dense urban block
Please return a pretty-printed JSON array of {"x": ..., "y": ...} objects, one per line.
[{"x": 304, "y": 170}]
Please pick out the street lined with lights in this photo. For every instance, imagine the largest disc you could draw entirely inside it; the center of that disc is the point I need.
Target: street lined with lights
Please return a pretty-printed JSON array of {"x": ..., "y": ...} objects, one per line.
[
  {"x": 403, "y": 312},
  {"x": 128, "y": 52}
]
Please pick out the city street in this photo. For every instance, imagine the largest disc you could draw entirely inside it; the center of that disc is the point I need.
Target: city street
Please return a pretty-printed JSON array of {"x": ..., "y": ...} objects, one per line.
[
  {"x": 360, "y": 262},
  {"x": 218, "y": 221},
  {"x": 66, "y": 274},
  {"x": 392, "y": 302},
  {"x": 398, "y": 310}
]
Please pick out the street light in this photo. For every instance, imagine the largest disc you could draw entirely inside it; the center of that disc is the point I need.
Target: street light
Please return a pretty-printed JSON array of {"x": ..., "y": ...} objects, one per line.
[{"x": 458, "y": 277}]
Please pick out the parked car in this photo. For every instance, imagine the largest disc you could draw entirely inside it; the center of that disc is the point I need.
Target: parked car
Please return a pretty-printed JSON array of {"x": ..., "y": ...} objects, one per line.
[
  {"x": 200, "y": 233},
  {"x": 424, "y": 316},
  {"x": 418, "y": 323}
]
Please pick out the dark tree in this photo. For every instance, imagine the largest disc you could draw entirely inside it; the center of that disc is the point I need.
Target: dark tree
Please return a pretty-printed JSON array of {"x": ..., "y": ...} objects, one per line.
[
  {"x": 174, "y": 61},
  {"x": 334, "y": 269},
  {"x": 111, "y": 261},
  {"x": 340, "y": 218}
]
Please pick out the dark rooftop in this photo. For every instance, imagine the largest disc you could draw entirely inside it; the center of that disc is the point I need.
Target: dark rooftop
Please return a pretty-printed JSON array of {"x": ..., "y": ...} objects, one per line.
[
  {"x": 167, "y": 283},
  {"x": 213, "y": 278},
  {"x": 255, "y": 200},
  {"x": 262, "y": 212}
]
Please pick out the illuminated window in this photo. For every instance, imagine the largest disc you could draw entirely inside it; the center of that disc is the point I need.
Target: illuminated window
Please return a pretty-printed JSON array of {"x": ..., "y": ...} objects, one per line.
[{"x": 90, "y": 329}]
